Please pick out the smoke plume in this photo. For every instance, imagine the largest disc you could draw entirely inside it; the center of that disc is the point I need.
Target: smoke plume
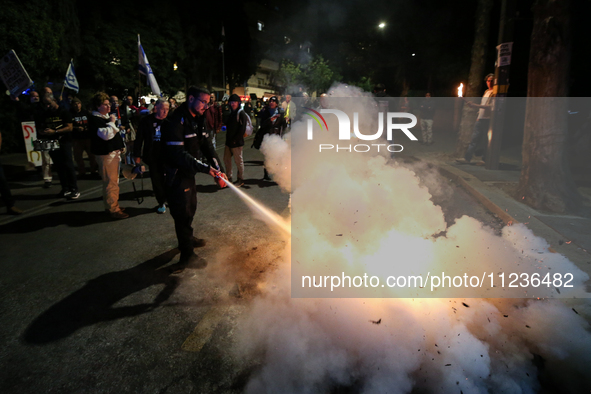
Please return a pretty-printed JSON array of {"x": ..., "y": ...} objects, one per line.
[{"x": 402, "y": 345}]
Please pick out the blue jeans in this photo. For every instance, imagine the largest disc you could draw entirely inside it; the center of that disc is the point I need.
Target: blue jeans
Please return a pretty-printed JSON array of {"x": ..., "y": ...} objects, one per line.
[{"x": 478, "y": 136}]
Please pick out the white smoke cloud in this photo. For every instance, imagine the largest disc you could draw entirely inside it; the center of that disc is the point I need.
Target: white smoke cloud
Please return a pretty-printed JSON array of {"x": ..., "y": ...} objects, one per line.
[{"x": 403, "y": 345}]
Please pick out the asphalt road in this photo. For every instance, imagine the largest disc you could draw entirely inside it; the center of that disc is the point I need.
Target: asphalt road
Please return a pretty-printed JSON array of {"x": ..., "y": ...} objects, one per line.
[{"x": 93, "y": 305}]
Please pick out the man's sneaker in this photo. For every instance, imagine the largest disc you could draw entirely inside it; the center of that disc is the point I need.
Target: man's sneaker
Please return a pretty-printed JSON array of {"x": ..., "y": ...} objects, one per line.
[
  {"x": 199, "y": 242},
  {"x": 63, "y": 193},
  {"x": 239, "y": 182},
  {"x": 46, "y": 184},
  {"x": 74, "y": 195},
  {"x": 14, "y": 211},
  {"x": 161, "y": 209}
]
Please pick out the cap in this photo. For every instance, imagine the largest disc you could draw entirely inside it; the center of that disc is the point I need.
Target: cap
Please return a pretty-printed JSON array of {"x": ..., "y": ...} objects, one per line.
[
  {"x": 234, "y": 97},
  {"x": 274, "y": 98}
]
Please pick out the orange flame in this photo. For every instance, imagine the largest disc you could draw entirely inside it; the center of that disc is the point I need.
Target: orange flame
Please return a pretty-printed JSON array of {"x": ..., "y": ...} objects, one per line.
[{"x": 460, "y": 88}]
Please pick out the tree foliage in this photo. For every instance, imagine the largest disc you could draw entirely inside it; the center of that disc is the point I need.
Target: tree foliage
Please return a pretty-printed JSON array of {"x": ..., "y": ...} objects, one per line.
[
  {"x": 316, "y": 75},
  {"x": 102, "y": 41}
]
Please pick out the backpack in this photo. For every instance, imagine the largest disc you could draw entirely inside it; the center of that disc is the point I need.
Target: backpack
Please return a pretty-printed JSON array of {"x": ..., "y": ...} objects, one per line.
[{"x": 249, "y": 128}]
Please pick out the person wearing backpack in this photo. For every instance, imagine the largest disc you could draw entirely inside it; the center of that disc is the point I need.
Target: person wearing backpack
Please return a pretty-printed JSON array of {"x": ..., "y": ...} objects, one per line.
[{"x": 236, "y": 128}]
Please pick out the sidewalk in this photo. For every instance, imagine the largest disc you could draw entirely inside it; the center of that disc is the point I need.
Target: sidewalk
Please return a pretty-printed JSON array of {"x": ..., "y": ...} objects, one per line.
[{"x": 569, "y": 235}]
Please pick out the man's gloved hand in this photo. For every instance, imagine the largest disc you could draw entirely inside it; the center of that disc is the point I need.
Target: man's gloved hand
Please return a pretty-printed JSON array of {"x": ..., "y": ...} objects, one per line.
[{"x": 220, "y": 177}]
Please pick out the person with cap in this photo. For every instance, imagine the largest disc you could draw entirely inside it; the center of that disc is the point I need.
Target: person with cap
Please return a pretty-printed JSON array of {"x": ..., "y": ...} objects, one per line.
[
  {"x": 272, "y": 122},
  {"x": 183, "y": 140},
  {"x": 148, "y": 147},
  {"x": 235, "y": 129},
  {"x": 107, "y": 144},
  {"x": 81, "y": 138}
]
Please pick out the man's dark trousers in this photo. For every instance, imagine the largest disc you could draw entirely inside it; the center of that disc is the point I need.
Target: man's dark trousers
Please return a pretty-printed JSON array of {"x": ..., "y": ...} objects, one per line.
[{"x": 182, "y": 201}]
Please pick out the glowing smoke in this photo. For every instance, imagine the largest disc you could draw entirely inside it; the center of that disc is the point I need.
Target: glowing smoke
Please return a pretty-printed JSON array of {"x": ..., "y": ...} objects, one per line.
[{"x": 404, "y": 345}]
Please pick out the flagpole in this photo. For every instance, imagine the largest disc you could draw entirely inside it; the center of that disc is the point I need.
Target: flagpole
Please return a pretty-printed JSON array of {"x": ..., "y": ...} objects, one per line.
[
  {"x": 139, "y": 81},
  {"x": 224, "y": 60},
  {"x": 64, "y": 84},
  {"x": 139, "y": 89}
]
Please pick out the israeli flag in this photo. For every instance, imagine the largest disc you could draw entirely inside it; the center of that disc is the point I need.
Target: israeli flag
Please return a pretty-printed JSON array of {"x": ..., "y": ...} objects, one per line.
[
  {"x": 144, "y": 68},
  {"x": 71, "y": 81}
]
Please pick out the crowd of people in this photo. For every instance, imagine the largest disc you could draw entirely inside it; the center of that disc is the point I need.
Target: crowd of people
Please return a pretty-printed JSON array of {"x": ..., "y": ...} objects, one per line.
[{"x": 175, "y": 141}]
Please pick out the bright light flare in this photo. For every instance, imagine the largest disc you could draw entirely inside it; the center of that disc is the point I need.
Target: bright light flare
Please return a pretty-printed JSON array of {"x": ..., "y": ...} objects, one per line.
[
  {"x": 460, "y": 90},
  {"x": 382, "y": 25}
]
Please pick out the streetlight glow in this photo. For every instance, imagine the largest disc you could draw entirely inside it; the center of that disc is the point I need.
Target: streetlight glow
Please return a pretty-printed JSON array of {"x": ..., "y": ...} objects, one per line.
[{"x": 382, "y": 25}]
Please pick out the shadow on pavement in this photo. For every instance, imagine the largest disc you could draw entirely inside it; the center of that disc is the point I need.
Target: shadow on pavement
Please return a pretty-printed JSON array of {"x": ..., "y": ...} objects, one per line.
[
  {"x": 94, "y": 302},
  {"x": 212, "y": 188},
  {"x": 70, "y": 219},
  {"x": 259, "y": 182}
]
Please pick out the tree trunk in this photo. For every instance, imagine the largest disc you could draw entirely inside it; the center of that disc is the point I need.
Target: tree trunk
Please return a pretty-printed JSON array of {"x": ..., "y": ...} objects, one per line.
[
  {"x": 477, "y": 73},
  {"x": 546, "y": 181}
]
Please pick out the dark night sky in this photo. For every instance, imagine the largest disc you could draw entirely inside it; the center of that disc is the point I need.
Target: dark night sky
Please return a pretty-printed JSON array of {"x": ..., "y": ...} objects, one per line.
[{"x": 440, "y": 33}]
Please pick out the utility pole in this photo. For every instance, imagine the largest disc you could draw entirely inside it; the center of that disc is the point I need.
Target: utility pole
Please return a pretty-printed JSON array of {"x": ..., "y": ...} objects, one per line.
[
  {"x": 501, "y": 84},
  {"x": 223, "y": 60}
]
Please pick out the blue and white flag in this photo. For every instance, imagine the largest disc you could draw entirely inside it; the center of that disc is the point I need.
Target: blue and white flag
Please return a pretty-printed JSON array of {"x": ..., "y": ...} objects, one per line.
[
  {"x": 144, "y": 68},
  {"x": 71, "y": 81}
]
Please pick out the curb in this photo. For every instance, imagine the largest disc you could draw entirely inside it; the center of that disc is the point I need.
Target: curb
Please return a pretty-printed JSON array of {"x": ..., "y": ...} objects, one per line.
[{"x": 515, "y": 212}]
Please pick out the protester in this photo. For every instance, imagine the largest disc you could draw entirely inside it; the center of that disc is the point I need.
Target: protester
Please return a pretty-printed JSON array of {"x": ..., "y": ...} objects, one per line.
[
  {"x": 81, "y": 138},
  {"x": 213, "y": 119},
  {"x": 5, "y": 191},
  {"x": 248, "y": 108},
  {"x": 257, "y": 112},
  {"x": 151, "y": 105},
  {"x": 129, "y": 122},
  {"x": 182, "y": 141},
  {"x": 31, "y": 112},
  {"x": 235, "y": 129},
  {"x": 173, "y": 106},
  {"x": 37, "y": 108},
  {"x": 55, "y": 123},
  {"x": 147, "y": 147},
  {"x": 272, "y": 122},
  {"x": 482, "y": 121},
  {"x": 225, "y": 111},
  {"x": 107, "y": 145},
  {"x": 289, "y": 109}
]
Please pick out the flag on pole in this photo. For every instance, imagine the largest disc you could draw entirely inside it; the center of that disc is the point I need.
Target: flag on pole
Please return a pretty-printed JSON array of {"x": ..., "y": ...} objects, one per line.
[
  {"x": 144, "y": 68},
  {"x": 71, "y": 81}
]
